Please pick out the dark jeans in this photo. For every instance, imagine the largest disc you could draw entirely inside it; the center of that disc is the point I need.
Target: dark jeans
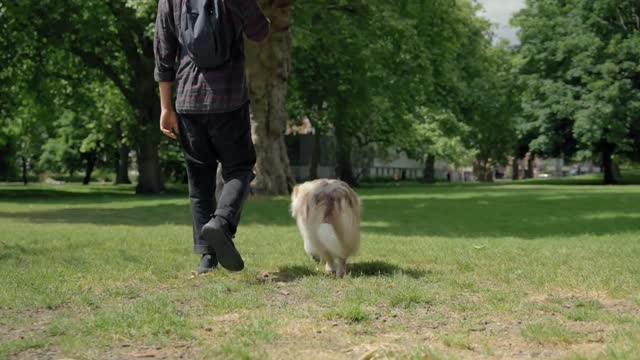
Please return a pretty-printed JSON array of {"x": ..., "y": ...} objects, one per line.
[{"x": 206, "y": 140}]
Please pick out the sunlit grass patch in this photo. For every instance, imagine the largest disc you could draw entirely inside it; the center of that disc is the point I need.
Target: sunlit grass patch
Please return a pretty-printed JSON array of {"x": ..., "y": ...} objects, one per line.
[
  {"x": 481, "y": 271},
  {"x": 12, "y": 347},
  {"x": 549, "y": 332},
  {"x": 458, "y": 341},
  {"x": 349, "y": 312}
]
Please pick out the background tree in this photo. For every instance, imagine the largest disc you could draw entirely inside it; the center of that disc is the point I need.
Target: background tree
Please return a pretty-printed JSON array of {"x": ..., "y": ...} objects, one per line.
[
  {"x": 114, "y": 41},
  {"x": 363, "y": 75},
  {"x": 582, "y": 78},
  {"x": 268, "y": 68},
  {"x": 109, "y": 38},
  {"x": 437, "y": 134},
  {"x": 471, "y": 81},
  {"x": 491, "y": 109}
]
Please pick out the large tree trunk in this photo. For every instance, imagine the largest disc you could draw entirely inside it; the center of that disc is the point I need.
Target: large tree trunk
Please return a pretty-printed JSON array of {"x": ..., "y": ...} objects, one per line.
[
  {"x": 268, "y": 68},
  {"x": 150, "y": 177},
  {"x": 483, "y": 171},
  {"x": 315, "y": 156},
  {"x": 608, "y": 166},
  {"x": 515, "y": 169},
  {"x": 122, "y": 166},
  {"x": 530, "y": 173},
  {"x": 344, "y": 165},
  {"x": 24, "y": 171},
  {"x": 429, "y": 174},
  {"x": 149, "y": 173},
  {"x": 91, "y": 159},
  {"x": 122, "y": 159},
  {"x": 559, "y": 162},
  {"x": 5, "y": 163}
]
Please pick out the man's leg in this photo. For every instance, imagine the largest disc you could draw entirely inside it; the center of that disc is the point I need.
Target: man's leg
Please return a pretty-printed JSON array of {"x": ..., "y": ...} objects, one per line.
[
  {"x": 232, "y": 140},
  {"x": 231, "y": 136},
  {"x": 201, "y": 170}
]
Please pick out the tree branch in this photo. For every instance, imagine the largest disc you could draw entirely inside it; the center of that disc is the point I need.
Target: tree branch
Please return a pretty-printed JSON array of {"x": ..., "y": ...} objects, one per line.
[
  {"x": 95, "y": 62},
  {"x": 127, "y": 29},
  {"x": 363, "y": 140},
  {"x": 622, "y": 21},
  {"x": 344, "y": 8}
]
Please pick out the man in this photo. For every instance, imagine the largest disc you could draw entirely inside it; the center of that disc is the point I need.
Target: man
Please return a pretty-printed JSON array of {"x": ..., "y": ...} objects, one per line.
[{"x": 212, "y": 123}]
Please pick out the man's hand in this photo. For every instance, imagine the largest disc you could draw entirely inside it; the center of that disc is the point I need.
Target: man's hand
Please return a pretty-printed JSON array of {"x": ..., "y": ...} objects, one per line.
[
  {"x": 169, "y": 123},
  {"x": 168, "y": 120}
]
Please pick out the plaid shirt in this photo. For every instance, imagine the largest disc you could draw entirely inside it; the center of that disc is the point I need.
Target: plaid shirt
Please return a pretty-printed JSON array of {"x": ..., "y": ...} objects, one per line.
[{"x": 219, "y": 90}]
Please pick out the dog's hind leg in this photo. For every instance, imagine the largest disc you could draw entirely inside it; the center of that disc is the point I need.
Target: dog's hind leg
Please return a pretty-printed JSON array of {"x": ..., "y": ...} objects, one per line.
[
  {"x": 329, "y": 267},
  {"x": 341, "y": 267}
]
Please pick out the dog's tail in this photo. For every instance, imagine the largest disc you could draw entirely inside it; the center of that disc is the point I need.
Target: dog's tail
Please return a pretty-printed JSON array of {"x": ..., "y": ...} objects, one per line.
[
  {"x": 338, "y": 222},
  {"x": 329, "y": 239}
]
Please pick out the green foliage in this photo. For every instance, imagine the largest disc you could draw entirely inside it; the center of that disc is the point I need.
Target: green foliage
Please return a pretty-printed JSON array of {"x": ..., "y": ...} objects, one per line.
[
  {"x": 351, "y": 75},
  {"x": 438, "y": 134},
  {"x": 412, "y": 75},
  {"x": 61, "y": 153},
  {"x": 418, "y": 76},
  {"x": 493, "y": 108},
  {"x": 579, "y": 66},
  {"x": 172, "y": 161},
  {"x": 78, "y": 77}
]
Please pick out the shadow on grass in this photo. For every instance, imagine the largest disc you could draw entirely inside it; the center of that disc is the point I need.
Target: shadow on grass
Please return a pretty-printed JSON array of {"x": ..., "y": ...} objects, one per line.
[
  {"x": 382, "y": 268},
  {"x": 528, "y": 212},
  {"x": 289, "y": 273},
  {"x": 17, "y": 251},
  {"x": 76, "y": 194},
  {"x": 629, "y": 177},
  {"x": 145, "y": 215}
]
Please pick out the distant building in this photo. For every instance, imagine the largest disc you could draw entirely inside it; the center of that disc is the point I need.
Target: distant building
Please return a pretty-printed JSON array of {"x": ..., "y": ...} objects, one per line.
[
  {"x": 300, "y": 141},
  {"x": 532, "y": 166}
]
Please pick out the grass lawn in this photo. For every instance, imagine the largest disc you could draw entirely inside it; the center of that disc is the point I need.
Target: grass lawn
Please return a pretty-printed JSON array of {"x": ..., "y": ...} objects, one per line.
[{"x": 445, "y": 272}]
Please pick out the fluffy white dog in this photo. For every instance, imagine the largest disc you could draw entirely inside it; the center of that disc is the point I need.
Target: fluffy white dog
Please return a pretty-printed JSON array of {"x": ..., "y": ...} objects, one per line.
[{"x": 328, "y": 215}]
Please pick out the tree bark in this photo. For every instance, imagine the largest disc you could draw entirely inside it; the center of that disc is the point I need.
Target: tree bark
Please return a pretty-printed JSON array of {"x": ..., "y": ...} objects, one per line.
[
  {"x": 144, "y": 99},
  {"x": 515, "y": 169},
  {"x": 91, "y": 159},
  {"x": 315, "y": 156},
  {"x": 147, "y": 104},
  {"x": 149, "y": 174},
  {"x": 25, "y": 180},
  {"x": 529, "y": 174},
  {"x": 5, "y": 163},
  {"x": 344, "y": 165},
  {"x": 268, "y": 68},
  {"x": 429, "y": 174},
  {"x": 483, "y": 171},
  {"x": 122, "y": 166},
  {"x": 608, "y": 164}
]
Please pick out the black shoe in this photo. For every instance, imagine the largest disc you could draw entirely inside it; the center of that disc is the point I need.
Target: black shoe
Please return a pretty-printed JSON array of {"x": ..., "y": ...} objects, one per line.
[
  {"x": 216, "y": 233},
  {"x": 207, "y": 263}
]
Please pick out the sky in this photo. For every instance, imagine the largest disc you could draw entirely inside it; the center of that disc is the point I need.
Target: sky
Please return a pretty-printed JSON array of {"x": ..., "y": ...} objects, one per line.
[{"x": 499, "y": 12}]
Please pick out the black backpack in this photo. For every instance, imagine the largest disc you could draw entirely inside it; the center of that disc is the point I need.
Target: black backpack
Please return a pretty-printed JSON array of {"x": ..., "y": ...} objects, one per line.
[{"x": 205, "y": 36}]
